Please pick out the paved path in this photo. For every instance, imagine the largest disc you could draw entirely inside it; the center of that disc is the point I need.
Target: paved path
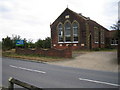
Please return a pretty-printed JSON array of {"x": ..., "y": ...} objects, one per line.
[
  {"x": 52, "y": 76},
  {"x": 105, "y": 61}
]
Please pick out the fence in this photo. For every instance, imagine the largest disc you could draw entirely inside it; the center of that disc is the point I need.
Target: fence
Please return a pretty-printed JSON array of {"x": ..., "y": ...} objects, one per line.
[{"x": 13, "y": 81}]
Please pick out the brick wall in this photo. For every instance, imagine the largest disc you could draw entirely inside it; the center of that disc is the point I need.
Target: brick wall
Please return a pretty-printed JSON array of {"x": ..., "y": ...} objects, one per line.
[
  {"x": 65, "y": 53},
  {"x": 83, "y": 35}
]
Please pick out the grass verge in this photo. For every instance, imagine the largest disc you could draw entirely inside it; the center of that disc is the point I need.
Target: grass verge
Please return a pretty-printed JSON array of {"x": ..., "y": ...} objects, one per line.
[{"x": 12, "y": 54}]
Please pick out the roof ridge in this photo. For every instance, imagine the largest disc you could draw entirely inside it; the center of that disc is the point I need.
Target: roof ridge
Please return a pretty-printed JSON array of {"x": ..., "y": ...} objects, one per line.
[{"x": 80, "y": 14}]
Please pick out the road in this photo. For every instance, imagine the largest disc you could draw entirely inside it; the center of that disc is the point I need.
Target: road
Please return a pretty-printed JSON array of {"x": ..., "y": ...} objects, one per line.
[{"x": 52, "y": 76}]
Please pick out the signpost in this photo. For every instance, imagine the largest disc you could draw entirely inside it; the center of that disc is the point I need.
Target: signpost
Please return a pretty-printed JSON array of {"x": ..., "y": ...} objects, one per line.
[{"x": 19, "y": 43}]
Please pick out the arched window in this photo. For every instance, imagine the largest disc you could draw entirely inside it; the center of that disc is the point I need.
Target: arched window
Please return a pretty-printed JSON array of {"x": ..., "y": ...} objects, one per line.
[
  {"x": 67, "y": 32},
  {"x": 60, "y": 33},
  {"x": 102, "y": 36},
  {"x": 96, "y": 35},
  {"x": 75, "y": 31}
]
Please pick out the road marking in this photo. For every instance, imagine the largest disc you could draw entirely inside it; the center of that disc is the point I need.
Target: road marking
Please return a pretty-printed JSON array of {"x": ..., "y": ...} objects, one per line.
[
  {"x": 99, "y": 82},
  {"x": 32, "y": 70},
  {"x": 13, "y": 66}
]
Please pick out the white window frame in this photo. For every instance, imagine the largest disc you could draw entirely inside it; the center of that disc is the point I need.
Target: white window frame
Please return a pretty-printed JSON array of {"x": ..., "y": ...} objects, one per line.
[
  {"x": 62, "y": 30},
  {"x": 74, "y": 27},
  {"x": 114, "y": 42},
  {"x": 66, "y": 28}
]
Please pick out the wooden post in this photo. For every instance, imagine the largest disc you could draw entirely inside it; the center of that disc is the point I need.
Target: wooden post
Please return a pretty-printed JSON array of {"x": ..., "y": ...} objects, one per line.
[
  {"x": 13, "y": 81},
  {"x": 11, "y": 85}
]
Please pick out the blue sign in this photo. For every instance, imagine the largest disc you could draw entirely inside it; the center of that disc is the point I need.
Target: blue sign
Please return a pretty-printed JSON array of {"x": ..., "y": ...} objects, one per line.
[{"x": 19, "y": 42}]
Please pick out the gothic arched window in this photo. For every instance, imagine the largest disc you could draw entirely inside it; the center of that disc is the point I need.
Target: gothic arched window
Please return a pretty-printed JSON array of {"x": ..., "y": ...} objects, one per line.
[
  {"x": 102, "y": 36},
  {"x": 96, "y": 35},
  {"x": 60, "y": 33},
  {"x": 67, "y": 32},
  {"x": 75, "y": 31}
]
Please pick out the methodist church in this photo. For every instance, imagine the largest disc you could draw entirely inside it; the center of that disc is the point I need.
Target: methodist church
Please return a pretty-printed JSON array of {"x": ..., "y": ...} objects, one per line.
[{"x": 79, "y": 32}]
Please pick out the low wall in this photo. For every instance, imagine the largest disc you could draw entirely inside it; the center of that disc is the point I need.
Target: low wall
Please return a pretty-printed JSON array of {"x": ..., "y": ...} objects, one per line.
[{"x": 65, "y": 53}]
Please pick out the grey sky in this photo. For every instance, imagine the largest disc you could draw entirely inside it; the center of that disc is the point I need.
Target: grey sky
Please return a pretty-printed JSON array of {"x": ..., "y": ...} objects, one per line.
[{"x": 31, "y": 18}]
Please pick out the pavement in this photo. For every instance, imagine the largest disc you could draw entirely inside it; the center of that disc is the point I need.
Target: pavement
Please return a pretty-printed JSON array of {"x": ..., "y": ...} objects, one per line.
[
  {"x": 45, "y": 75},
  {"x": 101, "y": 60}
]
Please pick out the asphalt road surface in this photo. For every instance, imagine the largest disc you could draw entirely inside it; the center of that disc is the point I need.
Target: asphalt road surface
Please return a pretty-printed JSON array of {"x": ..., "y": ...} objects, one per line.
[{"x": 52, "y": 76}]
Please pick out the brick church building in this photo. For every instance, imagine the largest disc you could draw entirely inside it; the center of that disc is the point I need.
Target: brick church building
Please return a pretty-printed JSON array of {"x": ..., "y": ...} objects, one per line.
[{"x": 80, "y": 32}]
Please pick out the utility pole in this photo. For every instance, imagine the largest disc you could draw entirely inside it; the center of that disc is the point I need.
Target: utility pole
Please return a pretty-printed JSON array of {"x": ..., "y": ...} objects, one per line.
[{"x": 118, "y": 33}]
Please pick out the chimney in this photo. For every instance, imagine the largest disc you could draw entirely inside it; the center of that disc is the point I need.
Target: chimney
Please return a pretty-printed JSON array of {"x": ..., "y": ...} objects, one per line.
[{"x": 88, "y": 18}]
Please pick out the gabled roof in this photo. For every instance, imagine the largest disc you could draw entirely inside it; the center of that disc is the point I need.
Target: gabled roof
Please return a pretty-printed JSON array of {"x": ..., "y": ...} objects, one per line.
[
  {"x": 76, "y": 14},
  {"x": 79, "y": 15}
]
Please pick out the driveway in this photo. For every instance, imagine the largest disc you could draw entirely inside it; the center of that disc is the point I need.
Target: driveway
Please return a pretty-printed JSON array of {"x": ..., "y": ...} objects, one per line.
[{"x": 101, "y": 60}]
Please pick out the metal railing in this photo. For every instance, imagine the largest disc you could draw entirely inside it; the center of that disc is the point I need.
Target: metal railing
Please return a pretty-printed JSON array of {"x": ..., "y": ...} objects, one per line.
[{"x": 13, "y": 81}]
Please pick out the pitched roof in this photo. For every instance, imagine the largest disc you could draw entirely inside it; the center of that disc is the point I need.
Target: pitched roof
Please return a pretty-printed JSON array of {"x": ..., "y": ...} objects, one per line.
[
  {"x": 76, "y": 14},
  {"x": 87, "y": 19}
]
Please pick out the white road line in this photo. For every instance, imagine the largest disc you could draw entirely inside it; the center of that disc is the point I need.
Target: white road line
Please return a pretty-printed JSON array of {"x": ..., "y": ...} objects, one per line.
[
  {"x": 99, "y": 82},
  {"x": 32, "y": 70},
  {"x": 13, "y": 66}
]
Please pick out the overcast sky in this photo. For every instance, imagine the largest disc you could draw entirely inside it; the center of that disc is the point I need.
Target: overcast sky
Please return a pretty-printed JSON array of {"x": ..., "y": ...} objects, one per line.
[{"x": 31, "y": 18}]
